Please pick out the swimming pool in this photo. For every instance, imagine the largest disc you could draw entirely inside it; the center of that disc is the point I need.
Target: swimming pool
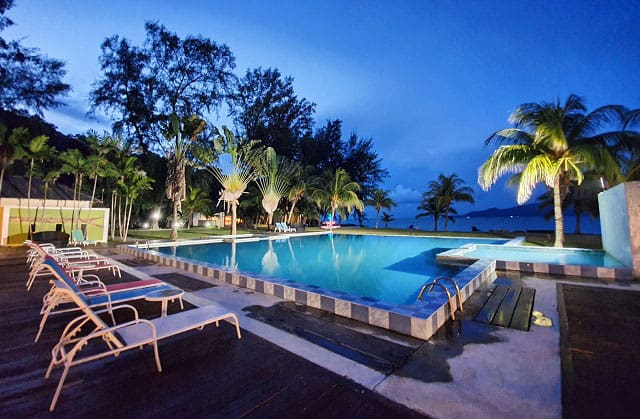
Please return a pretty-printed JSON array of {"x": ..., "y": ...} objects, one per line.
[
  {"x": 533, "y": 254},
  {"x": 385, "y": 269}
]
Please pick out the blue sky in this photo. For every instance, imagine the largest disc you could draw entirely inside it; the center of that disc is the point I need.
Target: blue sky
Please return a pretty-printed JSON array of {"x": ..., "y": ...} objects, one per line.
[{"x": 429, "y": 81}]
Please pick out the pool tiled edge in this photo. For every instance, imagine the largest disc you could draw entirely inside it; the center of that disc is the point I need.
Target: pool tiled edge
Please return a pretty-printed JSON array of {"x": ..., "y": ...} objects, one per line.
[
  {"x": 420, "y": 319},
  {"x": 459, "y": 256}
]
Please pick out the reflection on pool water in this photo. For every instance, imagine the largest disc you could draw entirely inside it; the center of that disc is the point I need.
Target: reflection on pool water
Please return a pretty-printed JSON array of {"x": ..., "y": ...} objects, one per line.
[
  {"x": 542, "y": 255},
  {"x": 387, "y": 268}
]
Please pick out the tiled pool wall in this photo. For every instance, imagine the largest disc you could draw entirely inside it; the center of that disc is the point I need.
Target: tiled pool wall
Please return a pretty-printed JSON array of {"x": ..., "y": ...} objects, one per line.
[
  {"x": 458, "y": 256},
  {"x": 421, "y": 319}
]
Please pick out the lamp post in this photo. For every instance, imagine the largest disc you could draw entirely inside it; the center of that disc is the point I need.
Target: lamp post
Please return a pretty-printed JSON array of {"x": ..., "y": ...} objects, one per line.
[{"x": 155, "y": 216}]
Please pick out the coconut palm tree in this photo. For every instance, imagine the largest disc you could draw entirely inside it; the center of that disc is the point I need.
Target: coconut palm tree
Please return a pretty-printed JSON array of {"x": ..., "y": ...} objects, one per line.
[
  {"x": 380, "y": 199},
  {"x": 450, "y": 189},
  {"x": 131, "y": 184},
  {"x": 49, "y": 177},
  {"x": 301, "y": 181},
  {"x": 36, "y": 150},
  {"x": 432, "y": 207},
  {"x": 335, "y": 191},
  {"x": 553, "y": 143},
  {"x": 196, "y": 200},
  {"x": 229, "y": 160},
  {"x": 386, "y": 219},
  {"x": 74, "y": 163},
  {"x": 273, "y": 180},
  {"x": 98, "y": 165},
  {"x": 10, "y": 147}
]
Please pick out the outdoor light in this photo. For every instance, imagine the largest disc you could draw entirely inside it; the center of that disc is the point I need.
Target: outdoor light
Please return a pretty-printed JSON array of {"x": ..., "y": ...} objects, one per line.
[
  {"x": 155, "y": 216},
  {"x": 145, "y": 225}
]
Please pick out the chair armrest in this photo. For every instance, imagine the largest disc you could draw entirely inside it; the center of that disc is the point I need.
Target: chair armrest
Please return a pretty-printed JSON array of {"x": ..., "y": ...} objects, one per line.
[{"x": 118, "y": 307}]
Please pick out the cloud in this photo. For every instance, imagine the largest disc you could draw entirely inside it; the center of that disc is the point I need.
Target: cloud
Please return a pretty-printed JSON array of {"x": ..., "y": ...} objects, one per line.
[{"x": 405, "y": 195}]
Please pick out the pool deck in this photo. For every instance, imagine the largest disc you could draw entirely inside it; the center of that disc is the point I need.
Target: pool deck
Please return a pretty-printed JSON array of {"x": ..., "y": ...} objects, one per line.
[{"x": 486, "y": 371}]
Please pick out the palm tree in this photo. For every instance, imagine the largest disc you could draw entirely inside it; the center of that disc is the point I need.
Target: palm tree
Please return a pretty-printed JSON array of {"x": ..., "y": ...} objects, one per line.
[
  {"x": 386, "y": 219},
  {"x": 98, "y": 165},
  {"x": 337, "y": 192},
  {"x": 298, "y": 189},
  {"x": 131, "y": 185},
  {"x": 554, "y": 144},
  {"x": 182, "y": 134},
  {"x": 228, "y": 160},
  {"x": 273, "y": 180},
  {"x": 450, "y": 189},
  {"x": 35, "y": 150},
  {"x": 10, "y": 148},
  {"x": 196, "y": 200},
  {"x": 380, "y": 199},
  {"x": 583, "y": 199},
  {"x": 74, "y": 163},
  {"x": 48, "y": 178},
  {"x": 432, "y": 207}
]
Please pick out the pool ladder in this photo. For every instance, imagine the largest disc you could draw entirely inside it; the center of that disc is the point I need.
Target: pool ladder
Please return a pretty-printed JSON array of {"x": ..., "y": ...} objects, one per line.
[{"x": 435, "y": 282}]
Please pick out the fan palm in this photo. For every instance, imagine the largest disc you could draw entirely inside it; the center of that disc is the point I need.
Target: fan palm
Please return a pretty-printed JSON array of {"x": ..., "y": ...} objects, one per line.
[
  {"x": 273, "y": 180},
  {"x": 554, "y": 144},
  {"x": 336, "y": 191},
  {"x": 380, "y": 199},
  {"x": 228, "y": 159}
]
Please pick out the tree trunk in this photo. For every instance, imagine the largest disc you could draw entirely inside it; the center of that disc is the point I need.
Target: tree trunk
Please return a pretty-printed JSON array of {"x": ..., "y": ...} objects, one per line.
[
  {"x": 332, "y": 221},
  {"x": 29, "y": 197},
  {"x": 557, "y": 212},
  {"x": 293, "y": 205},
  {"x": 112, "y": 215},
  {"x": 446, "y": 219},
  {"x": 269, "y": 219},
  {"x": 79, "y": 209},
  {"x": 377, "y": 217},
  {"x": 174, "y": 221},
  {"x": 435, "y": 223},
  {"x": 1, "y": 178},
  {"x": 234, "y": 206}
]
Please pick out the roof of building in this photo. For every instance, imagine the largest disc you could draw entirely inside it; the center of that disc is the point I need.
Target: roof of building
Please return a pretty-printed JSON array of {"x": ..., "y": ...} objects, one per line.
[{"x": 18, "y": 187}]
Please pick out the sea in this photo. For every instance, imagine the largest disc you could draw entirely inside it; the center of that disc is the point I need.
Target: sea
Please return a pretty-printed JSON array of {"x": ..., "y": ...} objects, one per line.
[{"x": 510, "y": 223}]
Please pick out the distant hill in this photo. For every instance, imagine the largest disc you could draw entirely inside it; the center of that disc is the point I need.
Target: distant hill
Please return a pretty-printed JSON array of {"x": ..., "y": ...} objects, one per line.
[{"x": 527, "y": 210}]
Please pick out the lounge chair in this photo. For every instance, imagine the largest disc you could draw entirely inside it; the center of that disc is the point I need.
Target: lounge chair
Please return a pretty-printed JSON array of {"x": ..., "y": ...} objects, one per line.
[
  {"x": 122, "y": 337},
  {"x": 74, "y": 267},
  {"x": 279, "y": 228},
  {"x": 96, "y": 293},
  {"x": 78, "y": 238},
  {"x": 287, "y": 229}
]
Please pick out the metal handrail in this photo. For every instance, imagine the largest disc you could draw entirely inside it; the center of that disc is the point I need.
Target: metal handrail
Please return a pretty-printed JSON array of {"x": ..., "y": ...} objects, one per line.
[
  {"x": 449, "y": 299},
  {"x": 455, "y": 284}
]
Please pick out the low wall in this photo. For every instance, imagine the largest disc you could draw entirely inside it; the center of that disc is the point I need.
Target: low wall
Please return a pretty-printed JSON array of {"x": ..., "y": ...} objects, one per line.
[{"x": 620, "y": 223}]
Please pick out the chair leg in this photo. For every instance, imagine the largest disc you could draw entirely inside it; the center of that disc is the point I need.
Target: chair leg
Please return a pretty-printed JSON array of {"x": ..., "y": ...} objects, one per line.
[
  {"x": 45, "y": 315},
  {"x": 157, "y": 355},
  {"x": 237, "y": 324},
  {"x": 59, "y": 389}
]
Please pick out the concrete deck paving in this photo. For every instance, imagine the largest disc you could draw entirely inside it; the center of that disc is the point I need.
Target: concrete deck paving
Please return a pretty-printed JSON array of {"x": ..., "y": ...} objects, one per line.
[{"x": 481, "y": 371}]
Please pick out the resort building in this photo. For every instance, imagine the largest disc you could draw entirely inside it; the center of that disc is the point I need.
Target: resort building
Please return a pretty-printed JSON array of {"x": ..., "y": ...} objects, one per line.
[{"x": 18, "y": 213}]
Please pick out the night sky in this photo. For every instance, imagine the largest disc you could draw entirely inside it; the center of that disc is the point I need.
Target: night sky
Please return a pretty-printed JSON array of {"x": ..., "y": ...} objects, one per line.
[{"x": 429, "y": 81}]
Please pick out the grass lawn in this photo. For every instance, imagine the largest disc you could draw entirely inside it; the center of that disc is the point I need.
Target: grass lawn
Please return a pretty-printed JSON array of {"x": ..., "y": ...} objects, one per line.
[{"x": 586, "y": 241}]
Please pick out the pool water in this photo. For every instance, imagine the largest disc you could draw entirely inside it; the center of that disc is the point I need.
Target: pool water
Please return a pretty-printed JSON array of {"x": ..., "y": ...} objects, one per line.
[
  {"x": 544, "y": 255},
  {"x": 390, "y": 269}
]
